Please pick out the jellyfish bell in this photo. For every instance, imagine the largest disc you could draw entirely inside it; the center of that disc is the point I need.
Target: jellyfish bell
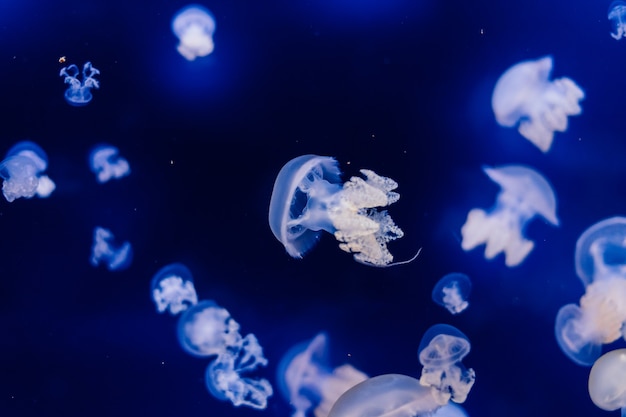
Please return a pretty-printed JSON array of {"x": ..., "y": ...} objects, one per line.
[
  {"x": 452, "y": 292},
  {"x": 601, "y": 250},
  {"x": 172, "y": 289},
  {"x": 617, "y": 16},
  {"x": 607, "y": 381},
  {"x": 205, "y": 328},
  {"x": 194, "y": 26},
  {"x": 106, "y": 163},
  {"x": 575, "y": 336}
]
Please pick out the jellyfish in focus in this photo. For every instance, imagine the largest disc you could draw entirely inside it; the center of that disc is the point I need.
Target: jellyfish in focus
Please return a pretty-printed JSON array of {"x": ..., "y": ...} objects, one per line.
[
  {"x": 307, "y": 382},
  {"x": 172, "y": 289},
  {"x": 308, "y": 197},
  {"x": 105, "y": 251},
  {"x": 524, "y": 195},
  {"x": 106, "y": 163},
  {"x": 194, "y": 26},
  {"x": 441, "y": 351},
  {"x": 607, "y": 381},
  {"x": 79, "y": 93},
  {"x": 206, "y": 329},
  {"x": 617, "y": 16},
  {"x": 524, "y": 95},
  {"x": 452, "y": 292},
  {"x": 22, "y": 170}
]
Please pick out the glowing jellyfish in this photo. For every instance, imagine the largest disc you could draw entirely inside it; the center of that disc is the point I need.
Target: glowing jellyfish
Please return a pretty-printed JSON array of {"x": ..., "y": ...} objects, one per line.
[
  {"x": 106, "y": 163},
  {"x": 308, "y": 197},
  {"x": 524, "y": 195},
  {"x": 450, "y": 410},
  {"x": 172, "y": 289},
  {"x": 306, "y": 381},
  {"x": 22, "y": 170},
  {"x": 440, "y": 352},
  {"x": 194, "y": 26},
  {"x": 617, "y": 16},
  {"x": 524, "y": 95},
  {"x": 105, "y": 251},
  {"x": 206, "y": 329},
  {"x": 79, "y": 93},
  {"x": 607, "y": 381},
  {"x": 452, "y": 292}
]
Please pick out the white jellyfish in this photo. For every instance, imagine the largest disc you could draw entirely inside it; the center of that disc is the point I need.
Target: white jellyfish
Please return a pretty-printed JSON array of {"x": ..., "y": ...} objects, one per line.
[
  {"x": 172, "y": 289},
  {"x": 106, "y": 163},
  {"x": 105, "y": 251},
  {"x": 617, "y": 16},
  {"x": 308, "y": 197},
  {"x": 78, "y": 93},
  {"x": 22, "y": 170},
  {"x": 607, "y": 381},
  {"x": 452, "y": 292},
  {"x": 524, "y": 195},
  {"x": 524, "y": 95},
  {"x": 194, "y": 26},
  {"x": 307, "y": 382}
]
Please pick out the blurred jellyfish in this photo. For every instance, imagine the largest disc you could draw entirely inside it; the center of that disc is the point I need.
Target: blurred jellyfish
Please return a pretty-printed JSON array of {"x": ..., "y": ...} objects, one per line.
[
  {"x": 22, "y": 170},
  {"x": 306, "y": 381},
  {"x": 440, "y": 352},
  {"x": 452, "y": 292},
  {"x": 194, "y": 26},
  {"x": 104, "y": 251},
  {"x": 206, "y": 329},
  {"x": 524, "y": 95},
  {"x": 524, "y": 195},
  {"x": 308, "y": 197},
  {"x": 106, "y": 163},
  {"x": 617, "y": 16},
  {"x": 607, "y": 381},
  {"x": 172, "y": 288},
  {"x": 449, "y": 410},
  {"x": 79, "y": 93}
]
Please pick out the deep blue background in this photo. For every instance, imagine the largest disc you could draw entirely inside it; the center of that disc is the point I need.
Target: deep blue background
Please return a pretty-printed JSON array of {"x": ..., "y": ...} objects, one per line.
[{"x": 402, "y": 87}]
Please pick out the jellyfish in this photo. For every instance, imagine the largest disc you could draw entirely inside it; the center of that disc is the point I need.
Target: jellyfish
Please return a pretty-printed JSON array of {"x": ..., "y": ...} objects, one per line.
[
  {"x": 78, "y": 94},
  {"x": 525, "y": 194},
  {"x": 607, "y": 381},
  {"x": 106, "y": 163},
  {"x": 450, "y": 410},
  {"x": 105, "y": 251},
  {"x": 194, "y": 26},
  {"x": 308, "y": 197},
  {"x": 307, "y": 382},
  {"x": 523, "y": 95},
  {"x": 440, "y": 352},
  {"x": 452, "y": 292},
  {"x": 172, "y": 289},
  {"x": 22, "y": 170},
  {"x": 617, "y": 16}
]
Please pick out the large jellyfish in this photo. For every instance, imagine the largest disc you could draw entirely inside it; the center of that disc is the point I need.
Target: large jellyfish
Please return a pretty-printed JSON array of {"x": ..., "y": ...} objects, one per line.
[
  {"x": 607, "y": 381},
  {"x": 525, "y": 194},
  {"x": 194, "y": 26},
  {"x": 307, "y": 382},
  {"x": 79, "y": 93},
  {"x": 206, "y": 329},
  {"x": 22, "y": 170},
  {"x": 106, "y": 163},
  {"x": 617, "y": 16},
  {"x": 452, "y": 292},
  {"x": 308, "y": 197},
  {"x": 524, "y": 95},
  {"x": 601, "y": 317},
  {"x": 105, "y": 251},
  {"x": 172, "y": 289}
]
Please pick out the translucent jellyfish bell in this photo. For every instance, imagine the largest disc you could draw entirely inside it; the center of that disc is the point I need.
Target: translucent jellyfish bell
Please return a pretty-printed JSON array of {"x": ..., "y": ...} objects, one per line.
[
  {"x": 524, "y": 195},
  {"x": 206, "y": 328},
  {"x": 104, "y": 250},
  {"x": 172, "y": 289},
  {"x": 452, "y": 292},
  {"x": 601, "y": 250},
  {"x": 106, "y": 163},
  {"x": 607, "y": 381},
  {"x": 194, "y": 26},
  {"x": 78, "y": 93},
  {"x": 524, "y": 95},
  {"x": 22, "y": 171},
  {"x": 617, "y": 16}
]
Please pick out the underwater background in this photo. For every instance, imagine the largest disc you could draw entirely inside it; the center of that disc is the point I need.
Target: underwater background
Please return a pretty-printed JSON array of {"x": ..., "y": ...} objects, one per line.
[{"x": 402, "y": 87}]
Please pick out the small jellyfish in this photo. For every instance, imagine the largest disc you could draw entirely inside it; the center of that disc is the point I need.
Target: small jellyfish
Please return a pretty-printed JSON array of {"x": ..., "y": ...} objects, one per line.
[
  {"x": 607, "y": 381},
  {"x": 440, "y": 352},
  {"x": 617, "y": 16},
  {"x": 452, "y": 292},
  {"x": 22, "y": 170},
  {"x": 194, "y": 26},
  {"x": 79, "y": 93},
  {"x": 172, "y": 289},
  {"x": 105, "y": 251},
  {"x": 525, "y": 194},
  {"x": 308, "y": 197},
  {"x": 106, "y": 163},
  {"x": 524, "y": 95}
]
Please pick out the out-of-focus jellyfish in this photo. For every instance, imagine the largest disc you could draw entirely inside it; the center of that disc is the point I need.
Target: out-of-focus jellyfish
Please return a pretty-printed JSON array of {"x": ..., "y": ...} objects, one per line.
[
  {"x": 601, "y": 317},
  {"x": 306, "y": 381},
  {"x": 308, "y": 197},
  {"x": 607, "y": 381},
  {"x": 524, "y": 195},
  {"x": 617, "y": 16},
  {"x": 194, "y": 26},
  {"x": 440, "y": 352},
  {"x": 79, "y": 93},
  {"x": 106, "y": 163},
  {"x": 105, "y": 251},
  {"x": 452, "y": 292},
  {"x": 449, "y": 410},
  {"x": 206, "y": 329},
  {"x": 172, "y": 289},
  {"x": 524, "y": 95},
  {"x": 22, "y": 170}
]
